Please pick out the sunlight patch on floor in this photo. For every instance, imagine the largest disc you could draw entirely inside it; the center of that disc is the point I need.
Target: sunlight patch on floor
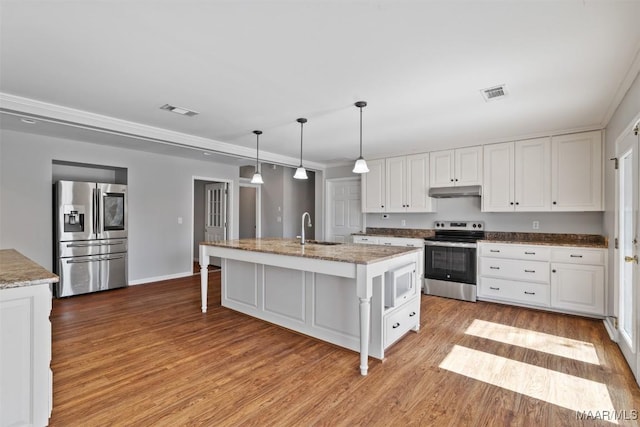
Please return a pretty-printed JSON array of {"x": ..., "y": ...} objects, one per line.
[
  {"x": 546, "y": 343},
  {"x": 567, "y": 391}
]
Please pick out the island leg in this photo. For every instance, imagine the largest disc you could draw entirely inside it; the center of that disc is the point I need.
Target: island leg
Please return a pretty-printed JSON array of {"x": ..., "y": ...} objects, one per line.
[
  {"x": 204, "y": 278},
  {"x": 365, "y": 316}
]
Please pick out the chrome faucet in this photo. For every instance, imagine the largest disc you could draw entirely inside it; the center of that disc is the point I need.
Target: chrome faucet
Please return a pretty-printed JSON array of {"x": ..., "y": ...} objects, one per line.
[{"x": 302, "y": 230}]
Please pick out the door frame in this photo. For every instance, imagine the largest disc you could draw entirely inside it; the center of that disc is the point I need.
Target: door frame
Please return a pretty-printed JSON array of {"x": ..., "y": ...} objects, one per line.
[
  {"x": 618, "y": 252},
  {"x": 230, "y": 207},
  {"x": 258, "y": 187},
  {"x": 328, "y": 203}
]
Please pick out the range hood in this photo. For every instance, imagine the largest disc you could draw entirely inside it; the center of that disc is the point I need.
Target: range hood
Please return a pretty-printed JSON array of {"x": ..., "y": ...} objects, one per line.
[{"x": 449, "y": 192}]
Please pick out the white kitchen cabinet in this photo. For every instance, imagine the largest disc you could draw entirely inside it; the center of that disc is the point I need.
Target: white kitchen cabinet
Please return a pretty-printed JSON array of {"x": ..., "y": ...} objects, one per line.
[
  {"x": 450, "y": 168},
  {"x": 365, "y": 240},
  {"x": 373, "y": 187},
  {"x": 25, "y": 356},
  {"x": 407, "y": 184},
  {"x": 576, "y": 172},
  {"x": 517, "y": 176},
  {"x": 577, "y": 280}
]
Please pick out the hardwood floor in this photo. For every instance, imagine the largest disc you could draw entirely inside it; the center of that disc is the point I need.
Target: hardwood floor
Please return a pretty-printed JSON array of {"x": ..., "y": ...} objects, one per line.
[{"x": 146, "y": 355}]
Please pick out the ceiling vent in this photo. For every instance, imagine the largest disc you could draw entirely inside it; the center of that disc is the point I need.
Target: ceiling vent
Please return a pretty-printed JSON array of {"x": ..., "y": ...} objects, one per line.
[
  {"x": 492, "y": 93},
  {"x": 179, "y": 110}
]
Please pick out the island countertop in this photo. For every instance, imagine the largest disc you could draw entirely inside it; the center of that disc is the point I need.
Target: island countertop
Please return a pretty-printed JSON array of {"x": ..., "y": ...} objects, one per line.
[
  {"x": 16, "y": 270},
  {"x": 343, "y": 252}
]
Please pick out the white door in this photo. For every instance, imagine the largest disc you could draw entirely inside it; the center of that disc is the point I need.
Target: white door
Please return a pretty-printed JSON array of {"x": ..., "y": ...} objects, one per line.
[
  {"x": 468, "y": 166},
  {"x": 533, "y": 175},
  {"x": 629, "y": 250},
  {"x": 344, "y": 210},
  {"x": 497, "y": 190},
  {"x": 417, "y": 191},
  {"x": 373, "y": 187},
  {"x": 441, "y": 168},
  {"x": 215, "y": 226},
  {"x": 396, "y": 184}
]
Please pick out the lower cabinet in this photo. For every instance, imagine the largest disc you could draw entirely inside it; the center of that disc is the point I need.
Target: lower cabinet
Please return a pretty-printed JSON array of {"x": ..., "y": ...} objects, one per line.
[
  {"x": 567, "y": 279},
  {"x": 400, "y": 321}
]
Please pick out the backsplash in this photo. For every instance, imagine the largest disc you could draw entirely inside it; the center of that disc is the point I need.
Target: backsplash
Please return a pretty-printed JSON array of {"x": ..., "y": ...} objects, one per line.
[{"x": 468, "y": 209}]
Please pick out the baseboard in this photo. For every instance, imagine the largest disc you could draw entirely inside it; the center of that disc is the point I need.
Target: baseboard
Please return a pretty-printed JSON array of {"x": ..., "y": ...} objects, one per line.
[
  {"x": 160, "y": 278},
  {"x": 611, "y": 329}
]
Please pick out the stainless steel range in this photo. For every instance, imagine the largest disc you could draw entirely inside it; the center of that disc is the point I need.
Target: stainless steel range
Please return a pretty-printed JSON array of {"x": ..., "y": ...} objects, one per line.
[{"x": 450, "y": 259}]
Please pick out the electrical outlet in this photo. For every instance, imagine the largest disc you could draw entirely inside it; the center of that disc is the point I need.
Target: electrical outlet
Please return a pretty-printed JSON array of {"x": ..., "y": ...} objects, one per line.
[
  {"x": 536, "y": 225},
  {"x": 179, "y": 220},
  {"x": 403, "y": 222}
]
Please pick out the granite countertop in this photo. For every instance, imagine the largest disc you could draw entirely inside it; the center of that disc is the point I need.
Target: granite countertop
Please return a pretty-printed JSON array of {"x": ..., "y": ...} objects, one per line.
[
  {"x": 550, "y": 239},
  {"x": 343, "y": 252},
  {"x": 16, "y": 270}
]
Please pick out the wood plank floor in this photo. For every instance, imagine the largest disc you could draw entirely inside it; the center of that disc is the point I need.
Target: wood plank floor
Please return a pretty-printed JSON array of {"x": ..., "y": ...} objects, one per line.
[{"x": 147, "y": 356}]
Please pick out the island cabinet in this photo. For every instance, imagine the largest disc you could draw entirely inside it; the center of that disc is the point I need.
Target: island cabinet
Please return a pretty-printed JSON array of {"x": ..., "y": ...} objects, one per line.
[
  {"x": 450, "y": 168},
  {"x": 360, "y": 297},
  {"x": 26, "y": 380},
  {"x": 559, "y": 278},
  {"x": 517, "y": 176}
]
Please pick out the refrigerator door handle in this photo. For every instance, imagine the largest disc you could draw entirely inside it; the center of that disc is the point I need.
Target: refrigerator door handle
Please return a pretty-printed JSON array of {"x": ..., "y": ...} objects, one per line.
[
  {"x": 98, "y": 211},
  {"x": 80, "y": 261},
  {"x": 109, "y": 258}
]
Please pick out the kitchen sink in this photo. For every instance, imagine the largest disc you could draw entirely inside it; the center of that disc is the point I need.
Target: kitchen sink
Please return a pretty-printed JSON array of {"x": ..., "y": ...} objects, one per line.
[{"x": 321, "y": 242}]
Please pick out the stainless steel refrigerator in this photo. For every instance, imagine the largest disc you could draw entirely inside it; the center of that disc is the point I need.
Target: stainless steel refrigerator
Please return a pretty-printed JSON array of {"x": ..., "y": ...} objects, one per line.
[{"x": 90, "y": 237}]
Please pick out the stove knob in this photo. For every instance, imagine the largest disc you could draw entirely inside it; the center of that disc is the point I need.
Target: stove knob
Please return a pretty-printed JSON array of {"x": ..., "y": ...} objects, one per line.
[
  {"x": 474, "y": 225},
  {"x": 479, "y": 225}
]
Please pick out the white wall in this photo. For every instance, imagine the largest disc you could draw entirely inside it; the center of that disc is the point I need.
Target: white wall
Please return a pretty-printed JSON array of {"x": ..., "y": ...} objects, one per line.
[
  {"x": 160, "y": 191},
  {"x": 628, "y": 110}
]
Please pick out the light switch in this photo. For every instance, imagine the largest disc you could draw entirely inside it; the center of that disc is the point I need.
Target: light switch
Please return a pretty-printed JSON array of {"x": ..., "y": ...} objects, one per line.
[{"x": 179, "y": 220}]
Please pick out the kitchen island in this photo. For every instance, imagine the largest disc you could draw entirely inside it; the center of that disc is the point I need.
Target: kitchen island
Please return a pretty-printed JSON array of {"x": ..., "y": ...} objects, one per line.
[
  {"x": 25, "y": 341},
  {"x": 361, "y": 297}
]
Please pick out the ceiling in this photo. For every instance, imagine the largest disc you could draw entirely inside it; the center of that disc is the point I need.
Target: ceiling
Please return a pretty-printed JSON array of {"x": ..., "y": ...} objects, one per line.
[{"x": 261, "y": 64}]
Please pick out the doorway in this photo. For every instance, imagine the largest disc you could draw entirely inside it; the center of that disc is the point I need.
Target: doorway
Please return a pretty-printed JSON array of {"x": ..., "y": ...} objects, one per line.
[
  {"x": 344, "y": 211},
  {"x": 249, "y": 211},
  {"x": 627, "y": 269}
]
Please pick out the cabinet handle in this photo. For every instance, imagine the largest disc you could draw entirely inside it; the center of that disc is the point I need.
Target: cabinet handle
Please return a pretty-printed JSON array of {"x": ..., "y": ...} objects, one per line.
[
  {"x": 494, "y": 289},
  {"x": 413, "y": 313},
  {"x": 494, "y": 268},
  {"x": 456, "y": 179},
  {"x": 553, "y": 271},
  {"x": 529, "y": 271},
  {"x": 396, "y": 325},
  {"x": 411, "y": 245},
  {"x": 494, "y": 250},
  {"x": 575, "y": 256},
  {"x": 451, "y": 179},
  {"x": 555, "y": 203},
  {"x": 387, "y": 244},
  {"x": 529, "y": 253},
  {"x": 529, "y": 293},
  {"x": 511, "y": 203},
  {"x": 382, "y": 206},
  {"x": 517, "y": 203}
]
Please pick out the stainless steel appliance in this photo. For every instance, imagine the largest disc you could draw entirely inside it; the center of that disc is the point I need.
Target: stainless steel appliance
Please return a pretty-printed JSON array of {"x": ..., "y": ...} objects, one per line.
[
  {"x": 91, "y": 237},
  {"x": 450, "y": 259}
]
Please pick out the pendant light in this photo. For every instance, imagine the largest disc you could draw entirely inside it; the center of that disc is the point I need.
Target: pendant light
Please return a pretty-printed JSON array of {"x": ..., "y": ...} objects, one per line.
[
  {"x": 257, "y": 177},
  {"x": 361, "y": 163},
  {"x": 301, "y": 172}
]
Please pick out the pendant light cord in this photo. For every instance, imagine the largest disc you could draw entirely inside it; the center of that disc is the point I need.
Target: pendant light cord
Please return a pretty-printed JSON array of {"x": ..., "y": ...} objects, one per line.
[
  {"x": 360, "y": 131},
  {"x": 301, "y": 127},
  {"x": 257, "y": 150}
]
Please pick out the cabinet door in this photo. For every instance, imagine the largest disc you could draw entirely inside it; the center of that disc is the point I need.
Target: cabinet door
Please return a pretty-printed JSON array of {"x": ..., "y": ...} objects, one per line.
[
  {"x": 417, "y": 190},
  {"x": 533, "y": 175},
  {"x": 441, "y": 168},
  {"x": 578, "y": 288},
  {"x": 468, "y": 166},
  {"x": 498, "y": 178},
  {"x": 373, "y": 187},
  {"x": 396, "y": 184},
  {"x": 576, "y": 175}
]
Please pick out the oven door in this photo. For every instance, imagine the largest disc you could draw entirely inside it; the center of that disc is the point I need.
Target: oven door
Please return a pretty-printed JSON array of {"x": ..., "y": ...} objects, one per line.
[{"x": 450, "y": 261}]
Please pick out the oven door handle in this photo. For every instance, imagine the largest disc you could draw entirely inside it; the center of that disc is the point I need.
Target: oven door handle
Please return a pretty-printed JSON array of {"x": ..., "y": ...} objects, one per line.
[{"x": 450, "y": 244}]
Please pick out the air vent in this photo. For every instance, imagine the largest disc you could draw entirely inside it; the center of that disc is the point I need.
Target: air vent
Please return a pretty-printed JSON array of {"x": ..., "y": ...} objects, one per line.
[
  {"x": 493, "y": 93},
  {"x": 179, "y": 110}
]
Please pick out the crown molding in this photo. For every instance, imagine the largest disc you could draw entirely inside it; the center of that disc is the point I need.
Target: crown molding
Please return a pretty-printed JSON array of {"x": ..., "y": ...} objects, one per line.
[
  {"x": 27, "y": 107},
  {"x": 632, "y": 73}
]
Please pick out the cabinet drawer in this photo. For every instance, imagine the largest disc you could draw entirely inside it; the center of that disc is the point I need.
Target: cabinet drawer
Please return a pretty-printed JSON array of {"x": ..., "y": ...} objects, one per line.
[
  {"x": 578, "y": 256},
  {"x": 530, "y": 271},
  {"x": 400, "y": 321},
  {"x": 365, "y": 239},
  {"x": 508, "y": 290},
  {"x": 401, "y": 241},
  {"x": 534, "y": 252}
]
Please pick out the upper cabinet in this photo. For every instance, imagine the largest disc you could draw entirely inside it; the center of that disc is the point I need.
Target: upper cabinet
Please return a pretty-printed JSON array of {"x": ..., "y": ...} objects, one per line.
[
  {"x": 373, "y": 187},
  {"x": 397, "y": 184},
  {"x": 450, "y": 168},
  {"x": 576, "y": 172},
  {"x": 517, "y": 176}
]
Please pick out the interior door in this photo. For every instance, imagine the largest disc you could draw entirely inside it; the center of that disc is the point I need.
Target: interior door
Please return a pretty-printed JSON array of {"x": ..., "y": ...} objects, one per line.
[
  {"x": 628, "y": 250},
  {"x": 215, "y": 227},
  {"x": 345, "y": 213}
]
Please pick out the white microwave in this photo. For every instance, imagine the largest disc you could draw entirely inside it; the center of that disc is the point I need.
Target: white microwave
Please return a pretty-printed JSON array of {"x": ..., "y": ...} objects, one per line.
[{"x": 399, "y": 285}]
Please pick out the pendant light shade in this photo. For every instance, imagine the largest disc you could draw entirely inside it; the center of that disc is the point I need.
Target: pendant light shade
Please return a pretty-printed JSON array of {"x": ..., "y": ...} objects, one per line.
[
  {"x": 361, "y": 163},
  {"x": 301, "y": 172},
  {"x": 257, "y": 177}
]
